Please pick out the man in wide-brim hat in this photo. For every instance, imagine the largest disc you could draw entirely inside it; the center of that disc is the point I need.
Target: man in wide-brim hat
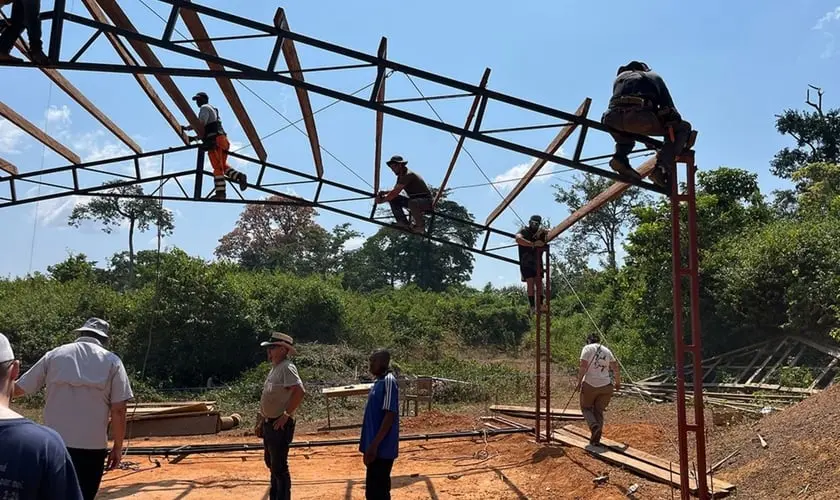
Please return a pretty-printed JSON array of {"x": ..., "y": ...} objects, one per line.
[
  {"x": 417, "y": 201},
  {"x": 281, "y": 396}
]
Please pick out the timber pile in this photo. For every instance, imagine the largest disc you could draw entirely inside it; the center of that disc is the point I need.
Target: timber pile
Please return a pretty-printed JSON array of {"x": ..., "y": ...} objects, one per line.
[
  {"x": 530, "y": 412},
  {"x": 637, "y": 461},
  {"x": 178, "y": 418}
]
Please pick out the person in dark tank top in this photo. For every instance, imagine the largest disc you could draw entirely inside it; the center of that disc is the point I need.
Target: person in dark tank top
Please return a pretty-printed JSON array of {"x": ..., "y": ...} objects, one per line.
[{"x": 417, "y": 198}]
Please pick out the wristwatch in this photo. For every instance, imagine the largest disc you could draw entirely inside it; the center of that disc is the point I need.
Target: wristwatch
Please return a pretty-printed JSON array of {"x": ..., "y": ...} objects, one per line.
[{"x": 287, "y": 414}]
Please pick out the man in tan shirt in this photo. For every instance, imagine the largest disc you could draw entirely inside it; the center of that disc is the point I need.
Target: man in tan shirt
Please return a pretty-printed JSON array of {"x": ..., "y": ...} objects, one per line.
[{"x": 282, "y": 394}]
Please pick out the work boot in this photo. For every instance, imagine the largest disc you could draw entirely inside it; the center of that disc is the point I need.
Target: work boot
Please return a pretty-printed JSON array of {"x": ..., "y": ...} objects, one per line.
[
  {"x": 238, "y": 177},
  {"x": 219, "y": 195},
  {"x": 220, "y": 191},
  {"x": 621, "y": 164}
]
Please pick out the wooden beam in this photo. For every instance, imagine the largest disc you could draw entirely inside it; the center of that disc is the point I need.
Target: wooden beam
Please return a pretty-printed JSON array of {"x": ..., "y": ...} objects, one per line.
[
  {"x": 78, "y": 96},
  {"x": 608, "y": 195},
  {"x": 538, "y": 164},
  {"x": 121, "y": 20},
  {"x": 382, "y": 53},
  {"x": 822, "y": 348},
  {"x": 128, "y": 59},
  {"x": 824, "y": 373},
  {"x": 779, "y": 361},
  {"x": 462, "y": 138},
  {"x": 199, "y": 33},
  {"x": 293, "y": 63},
  {"x": 30, "y": 128},
  {"x": 766, "y": 362},
  {"x": 8, "y": 167}
]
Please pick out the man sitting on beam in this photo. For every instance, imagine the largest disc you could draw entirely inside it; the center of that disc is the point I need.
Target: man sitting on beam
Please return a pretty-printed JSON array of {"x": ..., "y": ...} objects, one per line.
[
  {"x": 641, "y": 104},
  {"x": 418, "y": 199},
  {"x": 215, "y": 139},
  {"x": 531, "y": 240}
]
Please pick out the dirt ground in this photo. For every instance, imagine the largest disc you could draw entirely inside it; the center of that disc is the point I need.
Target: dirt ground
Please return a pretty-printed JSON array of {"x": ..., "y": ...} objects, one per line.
[{"x": 513, "y": 467}]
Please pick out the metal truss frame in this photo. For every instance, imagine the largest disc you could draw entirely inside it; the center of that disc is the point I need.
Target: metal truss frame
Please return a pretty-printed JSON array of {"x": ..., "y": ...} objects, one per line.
[{"x": 121, "y": 33}]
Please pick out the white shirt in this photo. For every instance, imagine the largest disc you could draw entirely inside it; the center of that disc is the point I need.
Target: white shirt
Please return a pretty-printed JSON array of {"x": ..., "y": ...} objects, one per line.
[
  {"x": 83, "y": 379},
  {"x": 207, "y": 114},
  {"x": 599, "y": 358}
]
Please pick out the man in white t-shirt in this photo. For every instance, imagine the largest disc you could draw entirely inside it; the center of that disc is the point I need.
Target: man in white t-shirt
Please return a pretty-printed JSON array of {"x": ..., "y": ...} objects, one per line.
[{"x": 595, "y": 384}]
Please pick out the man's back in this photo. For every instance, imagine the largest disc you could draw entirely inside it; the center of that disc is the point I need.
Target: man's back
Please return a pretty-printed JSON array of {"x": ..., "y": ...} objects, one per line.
[
  {"x": 415, "y": 186},
  {"x": 83, "y": 379},
  {"x": 34, "y": 464}
]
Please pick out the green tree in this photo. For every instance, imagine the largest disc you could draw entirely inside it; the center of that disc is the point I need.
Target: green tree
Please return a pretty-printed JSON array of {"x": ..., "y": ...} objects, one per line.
[
  {"x": 140, "y": 214},
  {"x": 392, "y": 257},
  {"x": 75, "y": 267},
  {"x": 599, "y": 232}
]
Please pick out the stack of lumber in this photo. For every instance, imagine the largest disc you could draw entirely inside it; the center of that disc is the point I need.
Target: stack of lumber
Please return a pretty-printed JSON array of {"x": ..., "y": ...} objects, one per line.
[
  {"x": 637, "y": 461},
  {"x": 529, "y": 412},
  {"x": 178, "y": 418},
  {"x": 753, "y": 402}
]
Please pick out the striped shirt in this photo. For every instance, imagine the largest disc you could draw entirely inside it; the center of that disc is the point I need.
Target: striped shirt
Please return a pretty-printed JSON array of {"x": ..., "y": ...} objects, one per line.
[{"x": 383, "y": 397}]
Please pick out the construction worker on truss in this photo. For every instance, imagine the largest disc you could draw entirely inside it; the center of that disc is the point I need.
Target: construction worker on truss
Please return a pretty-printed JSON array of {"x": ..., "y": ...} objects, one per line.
[
  {"x": 641, "y": 104},
  {"x": 216, "y": 141},
  {"x": 531, "y": 240},
  {"x": 418, "y": 201},
  {"x": 25, "y": 14}
]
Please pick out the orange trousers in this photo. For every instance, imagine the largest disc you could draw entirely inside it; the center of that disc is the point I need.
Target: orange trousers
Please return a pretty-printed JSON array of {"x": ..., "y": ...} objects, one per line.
[{"x": 218, "y": 156}]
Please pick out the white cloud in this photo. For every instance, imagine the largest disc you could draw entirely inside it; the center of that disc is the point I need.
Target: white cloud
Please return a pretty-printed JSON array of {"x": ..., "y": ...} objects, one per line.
[
  {"x": 830, "y": 16},
  {"x": 354, "y": 243},
  {"x": 58, "y": 117},
  {"x": 10, "y": 137},
  {"x": 54, "y": 213},
  {"x": 507, "y": 180}
]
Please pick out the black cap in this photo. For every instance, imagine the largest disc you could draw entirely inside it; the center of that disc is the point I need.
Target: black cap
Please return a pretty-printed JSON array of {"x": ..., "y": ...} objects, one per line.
[
  {"x": 397, "y": 159},
  {"x": 200, "y": 95},
  {"x": 633, "y": 66},
  {"x": 536, "y": 218}
]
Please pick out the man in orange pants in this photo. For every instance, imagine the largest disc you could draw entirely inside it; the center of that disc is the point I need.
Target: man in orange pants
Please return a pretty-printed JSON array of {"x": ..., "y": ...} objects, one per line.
[{"x": 215, "y": 139}]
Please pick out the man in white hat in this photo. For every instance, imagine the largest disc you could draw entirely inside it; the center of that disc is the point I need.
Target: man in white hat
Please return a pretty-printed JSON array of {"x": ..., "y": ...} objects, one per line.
[
  {"x": 282, "y": 394},
  {"x": 86, "y": 383},
  {"x": 34, "y": 463}
]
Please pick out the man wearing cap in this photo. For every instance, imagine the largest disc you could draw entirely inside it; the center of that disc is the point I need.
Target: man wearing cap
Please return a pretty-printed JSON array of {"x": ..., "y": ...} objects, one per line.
[
  {"x": 531, "y": 240},
  {"x": 418, "y": 199},
  {"x": 86, "y": 384},
  {"x": 282, "y": 394},
  {"x": 216, "y": 141},
  {"x": 596, "y": 385},
  {"x": 34, "y": 464}
]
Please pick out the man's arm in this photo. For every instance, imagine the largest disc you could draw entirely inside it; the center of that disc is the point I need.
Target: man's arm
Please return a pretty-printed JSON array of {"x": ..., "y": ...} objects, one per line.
[
  {"x": 390, "y": 195},
  {"x": 616, "y": 373},
  {"x": 521, "y": 241},
  {"x": 118, "y": 425},
  {"x": 664, "y": 94},
  {"x": 584, "y": 366},
  {"x": 33, "y": 380}
]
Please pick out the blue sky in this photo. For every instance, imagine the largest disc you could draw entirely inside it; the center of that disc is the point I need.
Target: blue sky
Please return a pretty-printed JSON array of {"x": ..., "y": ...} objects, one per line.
[{"x": 730, "y": 66}]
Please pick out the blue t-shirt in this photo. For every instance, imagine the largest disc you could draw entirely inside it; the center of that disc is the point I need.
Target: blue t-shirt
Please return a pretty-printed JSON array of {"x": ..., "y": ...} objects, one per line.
[
  {"x": 34, "y": 463},
  {"x": 383, "y": 396}
]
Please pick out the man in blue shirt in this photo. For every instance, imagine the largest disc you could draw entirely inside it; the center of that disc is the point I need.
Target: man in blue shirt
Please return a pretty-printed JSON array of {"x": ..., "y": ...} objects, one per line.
[
  {"x": 381, "y": 428},
  {"x": 34, "y": 464}
]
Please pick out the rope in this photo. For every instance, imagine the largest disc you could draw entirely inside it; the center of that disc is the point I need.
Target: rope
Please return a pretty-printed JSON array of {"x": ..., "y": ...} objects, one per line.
[
  {"x": 426, "y": 100},
  {"x": 40, "y": 177}
]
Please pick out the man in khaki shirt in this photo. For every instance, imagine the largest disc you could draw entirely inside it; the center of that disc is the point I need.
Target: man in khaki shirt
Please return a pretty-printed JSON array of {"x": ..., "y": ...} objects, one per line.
[{"x": 282, "y": 393}]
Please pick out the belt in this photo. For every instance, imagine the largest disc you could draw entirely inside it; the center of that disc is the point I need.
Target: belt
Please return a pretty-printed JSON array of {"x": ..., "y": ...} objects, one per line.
[{"x": 631, "y": 101}]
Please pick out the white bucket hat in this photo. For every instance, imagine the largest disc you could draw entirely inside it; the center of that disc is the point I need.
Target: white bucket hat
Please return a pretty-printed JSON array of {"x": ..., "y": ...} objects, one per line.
[
  {"x": 6, "y": 353},
  {"x": 278, "y": 338},
  {"x": 95, "y": 326}
]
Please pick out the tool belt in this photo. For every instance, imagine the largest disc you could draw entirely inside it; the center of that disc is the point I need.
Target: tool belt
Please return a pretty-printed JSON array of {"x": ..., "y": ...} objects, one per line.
[{"x": 632, "y": 101}]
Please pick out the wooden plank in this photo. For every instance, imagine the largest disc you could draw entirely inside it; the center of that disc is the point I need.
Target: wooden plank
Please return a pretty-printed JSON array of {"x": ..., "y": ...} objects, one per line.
[
  {"x": 539, "y": 163},
  {"x": 164, "y": 410},
  {"x": 293, "y": 64},
  {"x": 128, "y": 59},
  {"x": 820, "y": 347},
  {"x": 182, "y": 425},
  {"x": 199, "y": 33},
  {"x": 121, "y": 20},
  {"x": 749, "y": 366},
  {"x": 611, "y": 193},
  {"x": 530, "y": 410},
  {"x": 382, "y": 53},
  {"x": 78, "y": 96},
  {"x": 766, "y": 361},
  {"x": 824, "y": 373},
  {"x": 347, "y": 390},
  {"x": 781, "y": 360},
  {"x": 719, "y": 485},
  {"x": 484, "y": 78},
  {"x": 30, "y": 128},
  {"x": 8, "y": 167}
]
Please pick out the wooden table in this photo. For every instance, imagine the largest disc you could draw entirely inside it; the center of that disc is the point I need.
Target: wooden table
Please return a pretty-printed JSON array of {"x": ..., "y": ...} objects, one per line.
[{"x": 343, "y": 392}]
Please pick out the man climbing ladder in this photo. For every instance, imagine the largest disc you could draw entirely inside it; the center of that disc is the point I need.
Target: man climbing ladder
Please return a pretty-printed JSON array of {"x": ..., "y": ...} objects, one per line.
[{"x": 215, "y": 139}]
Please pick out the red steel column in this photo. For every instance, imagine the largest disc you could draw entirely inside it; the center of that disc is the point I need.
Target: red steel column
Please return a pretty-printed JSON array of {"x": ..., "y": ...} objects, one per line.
[{"x": 547, "y": 293}]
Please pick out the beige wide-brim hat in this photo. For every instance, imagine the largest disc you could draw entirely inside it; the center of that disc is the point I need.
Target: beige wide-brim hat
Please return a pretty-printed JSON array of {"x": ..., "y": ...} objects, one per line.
[{"x": 278, "y": 338}]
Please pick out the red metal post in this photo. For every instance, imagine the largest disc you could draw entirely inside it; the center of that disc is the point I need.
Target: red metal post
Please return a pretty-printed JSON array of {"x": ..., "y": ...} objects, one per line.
[
  {"x": 546, "y": 292},
  {"x": 690, "y": 271},
  {"x": 543, "y": 347},
  {"x": 538, "y": 352}
]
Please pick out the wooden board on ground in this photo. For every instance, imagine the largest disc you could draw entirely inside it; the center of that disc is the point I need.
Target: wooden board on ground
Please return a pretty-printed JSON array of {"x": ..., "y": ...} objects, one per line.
[
  {"x": 347, "y": 390},
  {"x": 190, "y": 424},
  {"x": 674, "y": 467},
  {"x": 167, "y": 409},
  {"x": 529, "y": 412}
]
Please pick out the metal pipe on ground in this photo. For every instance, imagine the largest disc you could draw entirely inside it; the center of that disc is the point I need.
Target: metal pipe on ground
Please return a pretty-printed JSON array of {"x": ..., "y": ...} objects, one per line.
[{"x": 240, "y": 447}]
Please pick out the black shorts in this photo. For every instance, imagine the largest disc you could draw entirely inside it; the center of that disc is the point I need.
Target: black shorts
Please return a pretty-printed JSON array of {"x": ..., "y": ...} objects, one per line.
[{"x": 528, "y": 271}]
